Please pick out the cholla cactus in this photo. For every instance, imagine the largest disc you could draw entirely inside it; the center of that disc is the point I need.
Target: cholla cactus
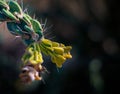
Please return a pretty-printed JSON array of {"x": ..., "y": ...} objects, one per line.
[{"x": 31, "y": 32}]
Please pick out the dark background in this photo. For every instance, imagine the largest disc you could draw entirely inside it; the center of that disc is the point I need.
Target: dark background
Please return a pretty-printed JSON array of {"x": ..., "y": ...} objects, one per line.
[{"x": 92, "y": 27}]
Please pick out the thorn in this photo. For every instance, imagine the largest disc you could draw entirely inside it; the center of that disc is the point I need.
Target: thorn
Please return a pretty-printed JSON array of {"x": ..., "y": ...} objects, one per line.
[
  {"x": 41, "y": 21},
  {"x": 22, "y": 4},
  {"x": 48, "y": 28},
  {"x": 16, "y": 37},
  {"x": 52, "y": 37},
  {"x": 47, "y": 34},
  {"x": 57, "y": 69},
  {"x": 34, "y": 16},
  {"x": 42, "y": 24},
  {"x": 43, "y": 81},
  {"x": 25, "y": 10},
  {"x": 45, "y": 24}
]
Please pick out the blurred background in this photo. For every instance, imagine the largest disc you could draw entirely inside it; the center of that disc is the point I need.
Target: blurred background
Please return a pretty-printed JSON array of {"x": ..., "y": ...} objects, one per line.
[{"x": 91, "y": 27}]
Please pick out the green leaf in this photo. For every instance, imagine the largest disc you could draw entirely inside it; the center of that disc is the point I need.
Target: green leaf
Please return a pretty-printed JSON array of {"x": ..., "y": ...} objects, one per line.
[
  {"x": 37, "y": 28},
  {"x": 3, "y": 4},
  {"x": 9, "y": 14},
  {"x": 15, "y": 7}
]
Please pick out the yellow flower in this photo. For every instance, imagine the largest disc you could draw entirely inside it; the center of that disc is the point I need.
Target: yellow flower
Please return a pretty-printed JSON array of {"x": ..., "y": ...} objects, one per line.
[
  {"x": 55, "y": 44},
  {"x": 58, "y": 60},
  {"x": 58, "y": 51},
  {"x": 32, "y": 55}
]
